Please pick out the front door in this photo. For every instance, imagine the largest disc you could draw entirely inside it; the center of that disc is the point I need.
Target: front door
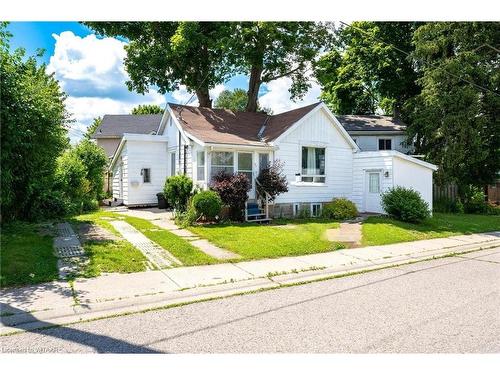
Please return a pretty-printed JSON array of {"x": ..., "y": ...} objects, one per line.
[{"x": 372, "y": 191}]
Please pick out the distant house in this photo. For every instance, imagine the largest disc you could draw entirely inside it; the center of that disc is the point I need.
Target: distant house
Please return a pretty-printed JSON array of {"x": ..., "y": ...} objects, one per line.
[
  {"x": 376, "y": 133},
  {"x": 321, "y": 159}
]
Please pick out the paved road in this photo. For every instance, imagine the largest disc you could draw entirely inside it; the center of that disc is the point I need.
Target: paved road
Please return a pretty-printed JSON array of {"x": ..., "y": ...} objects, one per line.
[{"x": 446, "y": 305}]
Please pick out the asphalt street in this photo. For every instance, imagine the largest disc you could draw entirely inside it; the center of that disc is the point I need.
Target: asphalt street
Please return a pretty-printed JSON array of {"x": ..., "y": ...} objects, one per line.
[{"x": 449, "y": 305}]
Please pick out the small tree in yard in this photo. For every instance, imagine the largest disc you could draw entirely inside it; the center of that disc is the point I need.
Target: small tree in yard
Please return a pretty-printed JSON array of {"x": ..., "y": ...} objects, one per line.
[
  {"x": 233, "y": 190},
  {"x": 177, "y": 191},
  {"x": 271, "y": 180}
]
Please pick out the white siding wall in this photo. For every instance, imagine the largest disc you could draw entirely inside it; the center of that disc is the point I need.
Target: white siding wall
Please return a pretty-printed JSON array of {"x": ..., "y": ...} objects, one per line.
[
  {"x": 411, "y": 175},
  {"x": 370, "y": 142},
  {"x": 123, "y": 157},
  {"x": 366, "y": 161},
  {"x": 146, "y": 154},
  {"x": 316, "y": 131}
]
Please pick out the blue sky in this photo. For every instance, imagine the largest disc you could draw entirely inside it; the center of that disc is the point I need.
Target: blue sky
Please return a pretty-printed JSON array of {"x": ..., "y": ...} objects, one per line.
[{"x": 90, "y": 70}]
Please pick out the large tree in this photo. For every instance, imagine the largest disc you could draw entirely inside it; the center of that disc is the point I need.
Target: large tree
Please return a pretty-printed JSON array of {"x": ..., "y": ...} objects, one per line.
[
  {"x": 267, "y": 51},
  {"x": 367, "y": 71},
  {"x": 170, "y": 54},
  {"x": 235, "y": 100},
  {"x": 92, "y": 127},
  {"x": 455, "y": 120},
  {"x": 33, "y": 133}
]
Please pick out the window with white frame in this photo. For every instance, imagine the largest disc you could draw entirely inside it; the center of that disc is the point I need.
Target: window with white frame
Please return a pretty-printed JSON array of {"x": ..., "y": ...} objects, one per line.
[
  {"x": 146, "y": 175},
  {"x": 385, "y": 144},
  {"x": 245, "y": 164},
  {"x": 200, "y": 165},
  {"x": 315, "y": 209},
  {"x": 313, "y": 164},
  {"x": 221, "y": 162}
]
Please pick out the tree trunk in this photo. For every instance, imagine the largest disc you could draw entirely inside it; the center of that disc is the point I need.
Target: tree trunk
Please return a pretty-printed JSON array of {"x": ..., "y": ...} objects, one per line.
[
  {"x": 253, "y": 88},
  {"x": 397, "y": 110},
  {"x": 204, "y": 97}
]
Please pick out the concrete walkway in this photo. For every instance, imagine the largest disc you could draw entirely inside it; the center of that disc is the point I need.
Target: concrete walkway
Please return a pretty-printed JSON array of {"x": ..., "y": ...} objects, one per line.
[
  {"x": 158, "y": 256},
  {"x": 69, "y": 250},
  {"x": 164, "y": 220},
  {"x": 61, "y": 303}
]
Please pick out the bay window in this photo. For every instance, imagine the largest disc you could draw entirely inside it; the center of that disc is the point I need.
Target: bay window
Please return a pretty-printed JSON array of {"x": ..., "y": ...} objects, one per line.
[{"x": 313, "y": 164}]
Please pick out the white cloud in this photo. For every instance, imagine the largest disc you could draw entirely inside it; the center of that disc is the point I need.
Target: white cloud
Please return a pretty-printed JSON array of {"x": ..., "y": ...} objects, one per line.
[
  {"x": 278, "y": 99},
  {"x": 91, "y": 71}
]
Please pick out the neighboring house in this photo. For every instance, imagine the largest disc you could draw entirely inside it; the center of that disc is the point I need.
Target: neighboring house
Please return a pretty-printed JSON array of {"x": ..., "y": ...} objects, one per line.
[
  {"x": 376, "y": 133},
  {"x": 110, "y": 132},
  {"x": 321, "y": 160}
]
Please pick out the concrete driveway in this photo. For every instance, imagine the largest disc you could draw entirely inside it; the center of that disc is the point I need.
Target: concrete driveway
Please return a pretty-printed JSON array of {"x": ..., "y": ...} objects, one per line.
[{"x": 445, "y": 305}]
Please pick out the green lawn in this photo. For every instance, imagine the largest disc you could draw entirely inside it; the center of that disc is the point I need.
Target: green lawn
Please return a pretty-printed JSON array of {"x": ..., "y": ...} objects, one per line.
[
  {"x": 282, "y": 238},
  {"x": 180, "y": 248},
  {"x": 382, "y": 230},
  {"x": 26, "y": 255}
]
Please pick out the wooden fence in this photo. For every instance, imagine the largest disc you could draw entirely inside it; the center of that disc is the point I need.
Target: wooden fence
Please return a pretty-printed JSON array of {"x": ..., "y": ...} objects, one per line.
[{"x": 449, "y": 191}]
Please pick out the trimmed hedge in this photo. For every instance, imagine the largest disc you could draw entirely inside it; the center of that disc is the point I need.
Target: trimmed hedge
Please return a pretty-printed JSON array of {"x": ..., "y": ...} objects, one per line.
[
  {"x": 340, "y": 209},
  {"x": 208, "y": 204}
]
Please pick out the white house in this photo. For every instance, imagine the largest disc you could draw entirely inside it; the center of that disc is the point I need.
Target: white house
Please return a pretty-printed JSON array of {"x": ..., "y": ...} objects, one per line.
[{"x": 321, "y": 160}]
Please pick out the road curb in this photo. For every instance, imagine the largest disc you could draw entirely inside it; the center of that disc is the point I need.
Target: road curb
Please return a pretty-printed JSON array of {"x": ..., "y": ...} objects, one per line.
[{"x": 33, "y": 321}]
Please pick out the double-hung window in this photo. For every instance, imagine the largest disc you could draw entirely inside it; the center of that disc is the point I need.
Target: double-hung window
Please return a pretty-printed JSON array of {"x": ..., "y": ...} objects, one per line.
[
  {"x": 245, "y": 164},
  {"x": 200, "y": 165},
  {"x": 313, "y": 164},
  {"x": 146, "y": 175},
  {"x": 221, "y": 162}
]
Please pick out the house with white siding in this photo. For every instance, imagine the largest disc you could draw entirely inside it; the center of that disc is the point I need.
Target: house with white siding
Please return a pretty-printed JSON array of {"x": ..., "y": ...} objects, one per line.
[{"x": 321, "y": 160}]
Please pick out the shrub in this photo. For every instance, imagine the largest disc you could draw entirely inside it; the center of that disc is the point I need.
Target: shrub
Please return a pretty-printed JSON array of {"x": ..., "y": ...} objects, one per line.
[
  {"x": 177, "y": 191},
  {"x": 207, "y": 203},
  {"x": 475, "y": 202},
  {"x": 272, "y": 180},
  {"x": 233, "y": 191},
  {"x": 447, "y": 205},
  {"x": 94, "y": 159},
  {"x": 340, "y": 209},
  {"x": 405, "y": 205},
  {"x": 187, "y": 218}
]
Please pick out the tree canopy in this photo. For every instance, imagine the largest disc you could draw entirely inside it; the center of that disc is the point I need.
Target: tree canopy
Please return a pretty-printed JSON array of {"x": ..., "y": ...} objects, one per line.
[
  {"x": 366, "y": 72},
  {"x": 92, "y": 127},
  {"x": 455, "y": 120},
  {"x": 235, "y": 100},
  {"x": 147, "y": 109},
  {"x": 33, "y": 132},
  {"x": 169, "y": 54}
]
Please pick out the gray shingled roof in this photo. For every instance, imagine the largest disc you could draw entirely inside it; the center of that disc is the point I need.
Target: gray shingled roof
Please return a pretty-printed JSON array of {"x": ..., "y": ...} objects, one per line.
[
  {"x": 117, "y": 125},
  {"x": 370, "y": 123}
]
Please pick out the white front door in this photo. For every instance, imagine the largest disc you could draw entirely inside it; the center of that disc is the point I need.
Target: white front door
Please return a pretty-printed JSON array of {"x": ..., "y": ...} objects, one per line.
[{"x": 372, "y": 191}]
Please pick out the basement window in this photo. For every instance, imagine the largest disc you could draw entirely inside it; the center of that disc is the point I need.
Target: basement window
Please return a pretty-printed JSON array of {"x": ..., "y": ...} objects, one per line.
[{"x": 315, "y": 209}]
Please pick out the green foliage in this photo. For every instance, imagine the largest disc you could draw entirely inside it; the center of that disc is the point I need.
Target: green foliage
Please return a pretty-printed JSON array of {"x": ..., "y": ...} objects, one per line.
[
  {"x": 233, "y": 191},
  {"x": 272, "y": 180},
  {"x": 33, "y": 134},
  {"x": 453, "y": 122},
  {"x": 475, "y": 203},
  {"x": 95, "y": 160},
  {"x": 235, "y": 100},
  {"x": 168, "y": 54},
  {"x": 448, "y": 205},
  {"x": 147, "y": 109},
  {"x": 405, "y": 204},
  {"x": 186, "y": 218},
  {"x": 207, "y": 204},
  {"x": 177, "y": 191},
  {"x": 365, "y": 71},
  {"x": 339, "y": 209},
  {"x": 93, "y": 127}
]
